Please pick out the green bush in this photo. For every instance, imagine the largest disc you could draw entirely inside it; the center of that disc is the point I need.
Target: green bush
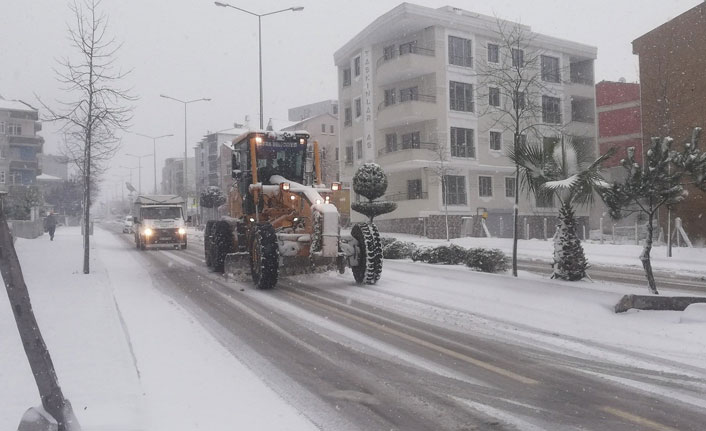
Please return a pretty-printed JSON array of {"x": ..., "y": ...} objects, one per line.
[
  {"x": 387, "y": 240},
  {"x": 399, "y": 250},
  {"x": 448, "y": 254},
  {"x": 486, "y": 260},
  {"x": 421, "y": 254}
]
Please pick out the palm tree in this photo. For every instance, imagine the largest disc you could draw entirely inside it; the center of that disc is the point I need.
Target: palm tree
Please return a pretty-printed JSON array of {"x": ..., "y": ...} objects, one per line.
[{"x": 563, "y": 169}]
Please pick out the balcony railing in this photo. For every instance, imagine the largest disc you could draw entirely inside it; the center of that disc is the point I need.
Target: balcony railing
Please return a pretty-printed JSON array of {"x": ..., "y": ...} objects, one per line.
[
  {"x": 407, "y": 196},
  {"x": 409, "y": 98},
  {"x": 431, "y": 146},
  {"x": 32, "y": 140},
  {"x": 408, "y": 50}
]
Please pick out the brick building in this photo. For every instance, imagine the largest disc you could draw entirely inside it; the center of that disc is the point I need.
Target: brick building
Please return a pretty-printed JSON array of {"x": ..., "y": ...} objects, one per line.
[
  {"x": 619, "y": 121},
  {"x": 672, "y": 60}
]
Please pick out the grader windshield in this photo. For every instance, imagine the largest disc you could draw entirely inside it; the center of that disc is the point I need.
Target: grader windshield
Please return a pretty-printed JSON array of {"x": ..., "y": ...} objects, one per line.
[{"x": 284, "y": 157}]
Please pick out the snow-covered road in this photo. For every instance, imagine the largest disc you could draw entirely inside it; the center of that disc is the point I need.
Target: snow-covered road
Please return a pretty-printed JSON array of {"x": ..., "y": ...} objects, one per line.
[{"x": 429, "y": 347}]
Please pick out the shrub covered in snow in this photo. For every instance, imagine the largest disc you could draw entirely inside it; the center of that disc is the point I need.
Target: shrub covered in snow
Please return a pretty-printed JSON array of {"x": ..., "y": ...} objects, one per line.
[
  {"x": 486, "y": 260},
  {"x": 212, "y": 197},
  {"x": 370, "y": 181},
  {"x": 387, "y": 240},
  {"x": 399, "y": 250},
  {"x": 421, "y": 254}
]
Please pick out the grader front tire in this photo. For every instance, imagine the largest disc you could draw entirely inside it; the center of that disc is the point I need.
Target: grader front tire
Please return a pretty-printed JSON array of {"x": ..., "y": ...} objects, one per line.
[{"x": 369, "y": 267}]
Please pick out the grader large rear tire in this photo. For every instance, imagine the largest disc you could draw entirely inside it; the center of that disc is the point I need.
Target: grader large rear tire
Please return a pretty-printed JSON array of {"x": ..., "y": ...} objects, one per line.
[
  {"x": 264, "y": 257},
  {"x": 369, "y": 267}
]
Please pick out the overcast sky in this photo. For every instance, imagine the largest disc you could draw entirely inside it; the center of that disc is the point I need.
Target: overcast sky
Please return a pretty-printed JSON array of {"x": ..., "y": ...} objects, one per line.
[{"x": 190, "y": 49}]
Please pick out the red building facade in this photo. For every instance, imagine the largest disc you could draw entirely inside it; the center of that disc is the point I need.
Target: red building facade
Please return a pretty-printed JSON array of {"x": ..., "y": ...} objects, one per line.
[{"x": 619, "y": 120}]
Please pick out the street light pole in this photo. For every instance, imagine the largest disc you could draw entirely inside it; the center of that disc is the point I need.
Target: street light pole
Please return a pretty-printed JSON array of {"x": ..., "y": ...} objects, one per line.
[
  {"x": 259, "y": 42},
  {"x": 154, "y": 152},
  {"x": 139, "y": 170},
  {"x": 186, "y": 155}
]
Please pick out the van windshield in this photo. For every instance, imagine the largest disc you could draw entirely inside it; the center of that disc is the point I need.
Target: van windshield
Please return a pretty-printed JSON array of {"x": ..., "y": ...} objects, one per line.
[{"x": 156, "y": 213}]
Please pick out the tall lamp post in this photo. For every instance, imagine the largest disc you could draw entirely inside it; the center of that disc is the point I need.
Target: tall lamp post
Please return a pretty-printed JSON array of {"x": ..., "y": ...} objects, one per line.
[
  {"x": 259, "y": 39},
  {"x": 139, "y": 170},
  {"x": 154, "y": 152},
  {"x": 186, "y": 155}
]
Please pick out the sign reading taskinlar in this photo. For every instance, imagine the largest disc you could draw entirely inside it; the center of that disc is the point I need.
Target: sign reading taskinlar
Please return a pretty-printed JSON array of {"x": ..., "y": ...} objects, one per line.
[{"x": 368, "y": 109}]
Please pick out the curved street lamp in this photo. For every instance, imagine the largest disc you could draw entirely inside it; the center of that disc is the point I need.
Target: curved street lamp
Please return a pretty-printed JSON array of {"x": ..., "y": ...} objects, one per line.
[
  {"x": 139, "y": 170},
  {"x": 186, "y": 158},
  {"x": 259, "y": 39}
]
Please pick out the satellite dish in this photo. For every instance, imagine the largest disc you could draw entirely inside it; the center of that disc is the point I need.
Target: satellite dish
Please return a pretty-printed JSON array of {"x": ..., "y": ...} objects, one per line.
[{"x": 130, "y": 187}]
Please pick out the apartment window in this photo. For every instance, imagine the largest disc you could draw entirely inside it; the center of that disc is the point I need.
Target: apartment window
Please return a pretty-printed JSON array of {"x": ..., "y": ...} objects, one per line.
[
  {"x": 323, "y": 128},
  {"x": 509, "y": 187},
  {"x": 460, "y": 52},
  {"x": 518, "y": 58},
  {"x": 2, "y": 177},
  {"x": 349, "y": 155},
  {"x": 359, "y": 149},
  {"x": 347, "y": 116},
  {"x": 496, "y": 141},
  {"x": 493, "y": 96},
  {"x": 407, "y": 94},
  {"x": 390, "y": 97},
  {"x": 2, "y": 128},
  {"x": 414, "y": 189},
  {"x": 461, "y": 96},
  {"x": 356, "y": 66},
  {"x": 550, "y": 69},
  {"x": 453, "y": 189},
  {"x": 336, "y": 153},
  {"x": 346, "y": 76},
  {"x": 14, "y": 129},
  {"x": 408, "y": 48},
  {"x": 518, "y": 102},
  {"x": 410, "y": 140},
  {"x": 462, "y": 143},
  {"x": 485, "y": 187},
  {"x": 551, "y": 110},
  {"x": 330, "y": 128},
  {"x": 388, "y": 52},
  {"x": 545, "y": 201},
  {"x": 358, "y": 107},
  {"x": 334, "y": 108},
  {"x": 493, "y": 53},
  {"x": 391, "y": 142}
]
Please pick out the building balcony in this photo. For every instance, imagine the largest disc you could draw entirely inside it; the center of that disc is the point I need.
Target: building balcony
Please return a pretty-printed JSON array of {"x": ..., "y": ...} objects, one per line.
[
  {"x": 430, "y": 146},
  {"x": 24, "y": 165},
  {"x": 407, "y": 196},
  {"x": 420, "y": 107},
  {"x": 25, "y": 140},
  {"x": 423, "y": 152},
  {"x": 400, "y": 67}
]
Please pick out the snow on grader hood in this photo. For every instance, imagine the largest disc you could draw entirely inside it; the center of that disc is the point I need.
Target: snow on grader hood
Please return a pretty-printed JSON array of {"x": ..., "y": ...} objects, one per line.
[{"x": 278, "y": 226}]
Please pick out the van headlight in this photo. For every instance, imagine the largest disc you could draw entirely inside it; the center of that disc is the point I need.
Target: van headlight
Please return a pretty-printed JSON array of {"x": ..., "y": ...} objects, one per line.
[
  {"x": 182, "y": 231},
  {"x": 147, "y": 232}
]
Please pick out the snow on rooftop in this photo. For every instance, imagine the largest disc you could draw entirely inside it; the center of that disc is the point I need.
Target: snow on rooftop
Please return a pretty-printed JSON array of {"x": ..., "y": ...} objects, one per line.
[
  {"x": 47, "y": 177},
  {"x": 15, "y": 105}
]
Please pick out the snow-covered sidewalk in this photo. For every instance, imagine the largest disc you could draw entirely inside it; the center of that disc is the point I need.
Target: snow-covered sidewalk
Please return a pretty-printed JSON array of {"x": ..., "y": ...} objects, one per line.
[{"x": 127, "y": 357}]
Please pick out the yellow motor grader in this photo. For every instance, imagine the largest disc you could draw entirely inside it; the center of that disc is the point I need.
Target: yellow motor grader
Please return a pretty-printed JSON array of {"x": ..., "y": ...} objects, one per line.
[{"x": 276, "y": 225}]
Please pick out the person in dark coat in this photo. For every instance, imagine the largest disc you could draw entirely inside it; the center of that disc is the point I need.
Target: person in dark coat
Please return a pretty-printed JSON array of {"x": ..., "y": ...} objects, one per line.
[{"x": 50, "y": 225}]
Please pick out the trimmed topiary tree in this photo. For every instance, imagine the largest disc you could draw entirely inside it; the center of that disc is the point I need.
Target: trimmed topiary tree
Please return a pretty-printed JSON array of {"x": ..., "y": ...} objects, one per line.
[{"x": 370, "y": 181}]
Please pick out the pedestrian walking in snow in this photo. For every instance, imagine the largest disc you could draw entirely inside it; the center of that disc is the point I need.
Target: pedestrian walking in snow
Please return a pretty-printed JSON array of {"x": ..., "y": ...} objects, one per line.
[{"x": 50, "y": 225}]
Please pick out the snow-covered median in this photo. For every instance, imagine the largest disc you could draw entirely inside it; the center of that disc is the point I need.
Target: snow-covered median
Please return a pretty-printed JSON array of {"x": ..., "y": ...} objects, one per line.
[{"x": 127, "y": 357}]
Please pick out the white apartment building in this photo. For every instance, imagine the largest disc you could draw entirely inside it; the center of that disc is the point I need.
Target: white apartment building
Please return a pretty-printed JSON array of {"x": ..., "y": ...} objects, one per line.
[
  {"x": 402, "y": 97},
  {"x": 20, "y": 145}
]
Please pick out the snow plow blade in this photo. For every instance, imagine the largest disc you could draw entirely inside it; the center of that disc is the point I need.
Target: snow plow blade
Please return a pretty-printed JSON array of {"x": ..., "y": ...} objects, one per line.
[{"x": 237, "y": 265}]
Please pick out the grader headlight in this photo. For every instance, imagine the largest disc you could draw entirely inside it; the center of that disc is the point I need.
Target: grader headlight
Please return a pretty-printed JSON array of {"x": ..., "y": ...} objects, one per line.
[
  {"x": 335, "y": 187},
  {"x": 284, "y": 186}
]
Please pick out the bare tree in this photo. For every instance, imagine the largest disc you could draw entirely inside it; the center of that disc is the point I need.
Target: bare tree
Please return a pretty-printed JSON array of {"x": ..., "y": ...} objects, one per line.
[
  {"x": 96, "y": 108},
  {"x": 513, "y": 90},
  {"x": 441, "y": 170}
]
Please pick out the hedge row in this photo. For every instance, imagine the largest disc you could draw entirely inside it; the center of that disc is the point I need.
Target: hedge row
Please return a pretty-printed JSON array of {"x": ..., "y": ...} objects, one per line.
[{"x": 480, "y": 259}]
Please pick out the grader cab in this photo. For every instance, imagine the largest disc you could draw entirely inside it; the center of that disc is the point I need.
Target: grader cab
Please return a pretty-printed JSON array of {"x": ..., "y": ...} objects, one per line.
[{"x": 277, "y": 225}]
